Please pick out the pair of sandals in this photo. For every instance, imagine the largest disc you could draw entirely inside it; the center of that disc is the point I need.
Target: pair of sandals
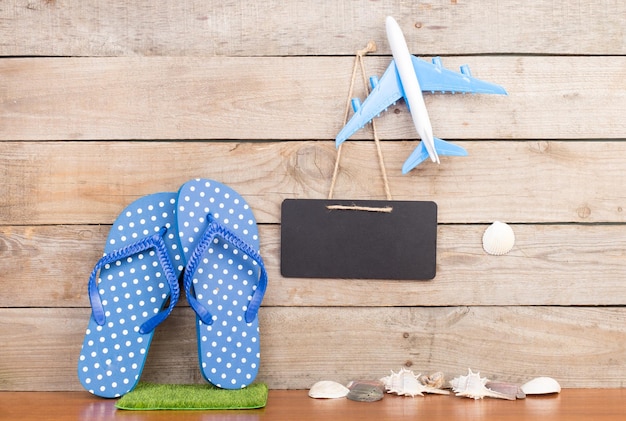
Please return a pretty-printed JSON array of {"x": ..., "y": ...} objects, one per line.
[{"x": 205, "y": 233}]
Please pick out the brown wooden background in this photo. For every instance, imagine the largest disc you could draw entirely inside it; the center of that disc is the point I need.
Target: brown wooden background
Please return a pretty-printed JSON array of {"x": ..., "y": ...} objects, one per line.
[{"x": 103, "y": 102}]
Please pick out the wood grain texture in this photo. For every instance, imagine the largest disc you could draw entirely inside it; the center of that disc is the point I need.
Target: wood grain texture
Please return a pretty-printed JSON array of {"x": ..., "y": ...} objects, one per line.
[
  {"x": 275, "y": 28},
  {"x": 288, "y": 405},
  {"x": 297, "y": 98},
  {"x": 550, "y": 265},
  {"x": 283, "y": 405},
  {"x": 516, "y": 182},
  {"x": 102, "y": 103},
  {"x": 300, "y": 346}
]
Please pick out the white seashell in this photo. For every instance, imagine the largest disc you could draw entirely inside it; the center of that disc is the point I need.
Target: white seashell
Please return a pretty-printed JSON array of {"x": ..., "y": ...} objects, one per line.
[
  {"x": 328, "y": 389},
  {"x": 510, "y": 389},
  {"x": 541, "y": 386},
  {"x": 473, "y": 386},
  {"x": 436, "y": 380},
  {"x": 406, "y": 383},
  {"x": 498, "y": 238}
]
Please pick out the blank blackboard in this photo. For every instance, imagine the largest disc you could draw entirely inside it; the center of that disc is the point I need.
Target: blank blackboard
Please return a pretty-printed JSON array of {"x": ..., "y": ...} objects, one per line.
[{"x": 318, "y": 242}]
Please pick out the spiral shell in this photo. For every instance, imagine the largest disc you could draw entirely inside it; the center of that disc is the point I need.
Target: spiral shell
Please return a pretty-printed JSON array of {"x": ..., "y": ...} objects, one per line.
[
  {"x": 498, "y": 238},
  {"x": 406, "y": 383},
  {"x": 473, "y": 386}
]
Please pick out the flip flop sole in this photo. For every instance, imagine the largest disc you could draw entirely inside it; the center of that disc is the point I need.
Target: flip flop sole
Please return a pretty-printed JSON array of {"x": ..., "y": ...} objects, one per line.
[
  {"x": 132, "y": 290},
  {"x": 224, "y": 281}
]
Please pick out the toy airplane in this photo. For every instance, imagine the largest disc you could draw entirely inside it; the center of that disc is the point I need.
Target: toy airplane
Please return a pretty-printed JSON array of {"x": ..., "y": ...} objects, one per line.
[{"x": 406, "y": 77}]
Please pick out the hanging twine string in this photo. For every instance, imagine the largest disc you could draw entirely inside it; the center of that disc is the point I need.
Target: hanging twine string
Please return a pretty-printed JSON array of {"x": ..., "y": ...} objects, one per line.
[
  {"x": 386, "y": 209},
  {"x": 358, "y": 60}
]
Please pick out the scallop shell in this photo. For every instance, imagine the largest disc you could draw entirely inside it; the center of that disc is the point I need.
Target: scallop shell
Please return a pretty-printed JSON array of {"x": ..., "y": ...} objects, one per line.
[
  {"x": 498, "y": 238},
  {"x": 473, "y": 386},
  {"x": 406, "y": 383},
  {"x": 541, "y": 386},
  {"x": 328, "y": 389}
]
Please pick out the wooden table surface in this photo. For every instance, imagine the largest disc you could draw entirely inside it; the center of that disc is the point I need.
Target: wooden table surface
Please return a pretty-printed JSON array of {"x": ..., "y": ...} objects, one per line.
[{"x": 570, "y": 404}]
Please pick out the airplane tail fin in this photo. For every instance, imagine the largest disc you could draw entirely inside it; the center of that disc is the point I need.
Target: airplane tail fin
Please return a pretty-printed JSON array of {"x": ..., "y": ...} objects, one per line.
[
  {"x": 446, "y": 148},
  {"x": 420, "y": 153}
]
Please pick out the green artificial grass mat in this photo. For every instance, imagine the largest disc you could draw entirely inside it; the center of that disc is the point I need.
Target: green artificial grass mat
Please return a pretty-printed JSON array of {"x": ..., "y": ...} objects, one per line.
[{"x": 151, "y": 396}]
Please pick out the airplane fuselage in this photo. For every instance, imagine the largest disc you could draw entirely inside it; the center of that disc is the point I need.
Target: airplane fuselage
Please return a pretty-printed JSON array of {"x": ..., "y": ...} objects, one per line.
[{"x": 411, "y": 86}]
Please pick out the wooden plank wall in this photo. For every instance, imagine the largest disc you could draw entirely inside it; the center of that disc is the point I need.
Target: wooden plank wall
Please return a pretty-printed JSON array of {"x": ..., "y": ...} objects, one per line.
[{"x": 103, "y": 102}]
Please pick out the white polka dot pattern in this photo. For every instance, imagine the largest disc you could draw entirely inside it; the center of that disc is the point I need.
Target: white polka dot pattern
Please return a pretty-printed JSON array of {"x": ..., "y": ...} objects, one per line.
[
  {"x": 224, "y": 282},
  {"x": 132, "y": 290}
]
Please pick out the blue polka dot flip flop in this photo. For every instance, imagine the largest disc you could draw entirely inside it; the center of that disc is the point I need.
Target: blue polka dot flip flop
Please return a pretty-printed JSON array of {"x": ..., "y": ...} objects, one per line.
[
  {"x": 132, "y": 289},
  {"x": 225, "y": 280}
]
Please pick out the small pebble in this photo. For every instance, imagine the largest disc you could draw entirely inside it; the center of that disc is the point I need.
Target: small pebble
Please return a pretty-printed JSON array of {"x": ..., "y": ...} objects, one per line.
[{"x": 366, "y": 391}]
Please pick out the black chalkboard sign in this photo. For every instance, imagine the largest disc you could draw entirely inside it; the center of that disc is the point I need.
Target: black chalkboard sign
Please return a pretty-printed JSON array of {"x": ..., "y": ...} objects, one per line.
[{"x": 382, "y": 240}]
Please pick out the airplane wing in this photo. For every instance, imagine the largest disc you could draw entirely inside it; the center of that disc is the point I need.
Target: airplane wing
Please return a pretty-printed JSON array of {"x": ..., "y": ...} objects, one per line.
[
  {"x": 435, "y": 78},
  {"x": 388, "y": 91},
  {"x": 432, "y": 77}
]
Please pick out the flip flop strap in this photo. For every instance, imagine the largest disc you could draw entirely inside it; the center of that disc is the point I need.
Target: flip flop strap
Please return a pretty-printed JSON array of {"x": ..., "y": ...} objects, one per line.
[
  {"x": 155, "y": 241},
  {"x": 214, "y": 229}
]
